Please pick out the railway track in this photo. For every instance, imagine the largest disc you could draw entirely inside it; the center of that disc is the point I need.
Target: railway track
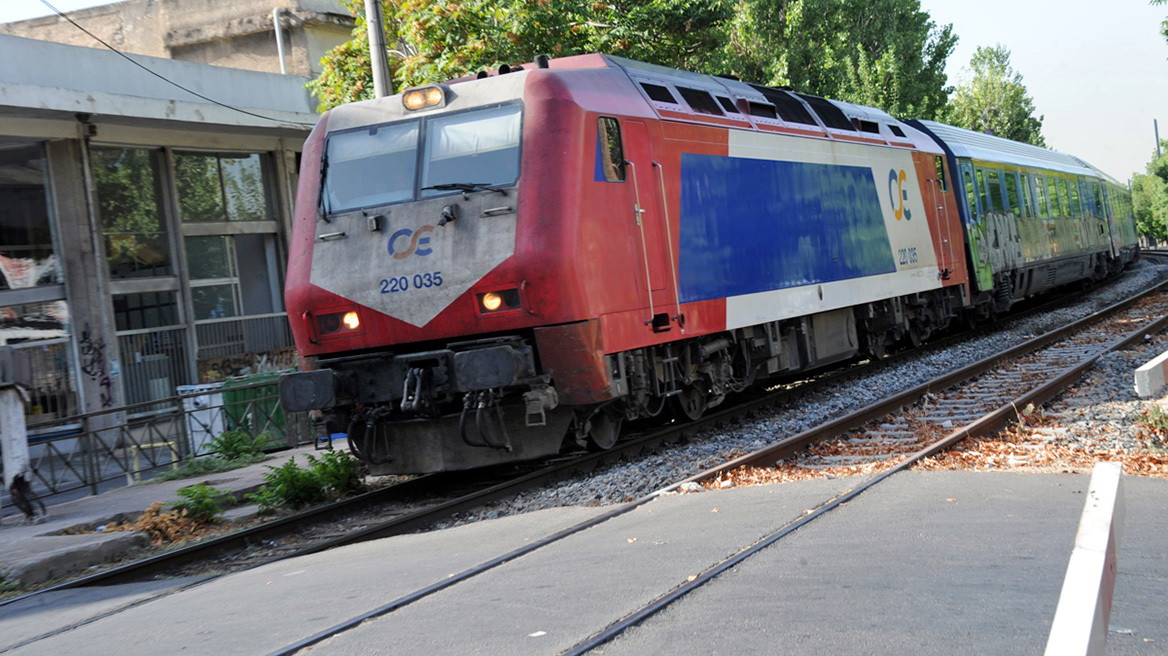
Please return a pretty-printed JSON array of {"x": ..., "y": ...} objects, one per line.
[
  {"x": 886, "y": 444},
  {"x": 289, "y": 536},
  {"x": 977, "y": 399}
]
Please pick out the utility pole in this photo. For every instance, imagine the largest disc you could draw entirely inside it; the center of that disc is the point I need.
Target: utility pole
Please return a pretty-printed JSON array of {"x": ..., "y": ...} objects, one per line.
[
  {"x": 1156, "y": 127},
  {"x": 377, "y": 54}
]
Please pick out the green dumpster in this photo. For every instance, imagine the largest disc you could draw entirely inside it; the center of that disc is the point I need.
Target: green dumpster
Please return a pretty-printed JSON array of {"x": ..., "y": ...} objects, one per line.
[{"x": 255, "y": 410}]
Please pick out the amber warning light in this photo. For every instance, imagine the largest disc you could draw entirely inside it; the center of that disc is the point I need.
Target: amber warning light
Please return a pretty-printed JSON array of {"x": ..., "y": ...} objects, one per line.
[{"x": 423, "y": 97}]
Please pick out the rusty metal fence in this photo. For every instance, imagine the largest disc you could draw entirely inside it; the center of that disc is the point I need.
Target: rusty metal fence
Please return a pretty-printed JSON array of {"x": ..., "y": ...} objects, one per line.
[{"x": 86, "y": 454}]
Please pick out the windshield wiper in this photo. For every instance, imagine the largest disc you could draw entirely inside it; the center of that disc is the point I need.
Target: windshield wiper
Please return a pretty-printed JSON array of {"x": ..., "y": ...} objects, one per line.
[{"x": 465, "y": 187}]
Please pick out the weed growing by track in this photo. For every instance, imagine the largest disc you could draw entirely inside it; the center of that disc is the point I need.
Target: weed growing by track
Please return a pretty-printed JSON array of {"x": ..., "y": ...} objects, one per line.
[
  {"x": 232, "y": 449},
  {"x": 200, "y": 502},
  {"x": 333, "y": 475}
]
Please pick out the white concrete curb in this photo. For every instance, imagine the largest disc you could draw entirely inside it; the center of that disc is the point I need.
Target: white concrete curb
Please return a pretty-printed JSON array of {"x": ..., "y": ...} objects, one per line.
[
  {"x": 1150, "y": 378},
  {"x": 1084, "y": 608}
]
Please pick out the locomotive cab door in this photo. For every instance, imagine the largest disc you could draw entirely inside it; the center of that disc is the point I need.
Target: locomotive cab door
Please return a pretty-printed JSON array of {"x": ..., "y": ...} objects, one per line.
[{"x": 651, "y": 231}]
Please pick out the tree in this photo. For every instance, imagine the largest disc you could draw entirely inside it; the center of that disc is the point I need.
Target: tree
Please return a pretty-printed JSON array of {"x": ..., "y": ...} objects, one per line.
[
  {"x": 994, "y": 100},
  {"x": 1150, "y": 198},
  {"x": 438, "y": 40},
  {"x": 886, "y": 53},
  {"x": 883, "y": 53},
  {"x": 1164, "y": 24}
]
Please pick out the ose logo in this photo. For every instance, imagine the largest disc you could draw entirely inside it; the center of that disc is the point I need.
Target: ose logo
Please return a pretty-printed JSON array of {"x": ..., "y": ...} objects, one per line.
[
  {"x": 901, "y": 195},
  {"x": 418, "y": 243}
]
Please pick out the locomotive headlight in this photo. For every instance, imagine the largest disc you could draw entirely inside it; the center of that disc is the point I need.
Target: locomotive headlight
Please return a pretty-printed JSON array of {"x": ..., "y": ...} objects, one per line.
[
  {"x": 431, "y": 96},
  {"x": 500, "y": 301},
  {"x": 338, "y": 323},
  {"x": 492, "y": 301}
]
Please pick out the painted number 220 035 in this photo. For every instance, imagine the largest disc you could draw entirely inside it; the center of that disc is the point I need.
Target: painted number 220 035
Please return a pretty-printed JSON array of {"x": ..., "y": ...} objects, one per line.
[
  {"x": 907, "y": 255},
  {"x": 404, "y": 283}
]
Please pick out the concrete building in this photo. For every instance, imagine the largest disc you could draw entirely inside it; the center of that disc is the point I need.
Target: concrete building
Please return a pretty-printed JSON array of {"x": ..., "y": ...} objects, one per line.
[
  {"x": 143, "y": 228},
  {"x": 231, "y": 33}
]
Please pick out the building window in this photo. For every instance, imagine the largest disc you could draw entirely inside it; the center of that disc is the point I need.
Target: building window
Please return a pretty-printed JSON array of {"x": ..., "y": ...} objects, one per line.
[
  {"x": 233, "y": 270},
  {"x": 143, "y": 311},
  {"x": 222, "y": 187},
  {"x": 129, "y": 194},
  {"x": 27, "y": 258}
]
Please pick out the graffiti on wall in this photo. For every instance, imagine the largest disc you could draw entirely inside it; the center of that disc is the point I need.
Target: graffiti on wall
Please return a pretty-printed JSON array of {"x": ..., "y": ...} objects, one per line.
[
  {"x": 94, "y": 365},
  {"x": 212, "y": 370}
]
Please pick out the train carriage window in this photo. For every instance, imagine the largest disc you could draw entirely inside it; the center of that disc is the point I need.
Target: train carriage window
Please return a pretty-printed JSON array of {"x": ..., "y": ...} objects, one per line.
[
  {"x": 1107, "y": 202},
  {"x": 1024, "y": 193},
  {"x": 1056, "y": 208},
  {"x": 1076, "y": 208},
  {"x": 970, "y": 193},
  {"x": 1064, "y": 199},
  {"x": 700, "y": 101},
  {"x": 981, "y": 190},
  {"x": 1040, "y": 187},
  {"x": 1098, "y": 200},
  {"x": 942, "y": 183},
  {"x": 612, "y": 154},
  {"x": 1011, "y": 180},
  {"x": 994, "y": 191}
]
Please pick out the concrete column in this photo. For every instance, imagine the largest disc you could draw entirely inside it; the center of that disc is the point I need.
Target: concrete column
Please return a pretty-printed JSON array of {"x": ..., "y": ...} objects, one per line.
[{"x": 94, "y": 342}]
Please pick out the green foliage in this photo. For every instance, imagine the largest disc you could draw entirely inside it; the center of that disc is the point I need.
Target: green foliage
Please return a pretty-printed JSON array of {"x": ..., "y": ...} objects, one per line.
[
  {"x": 438, "y": 40},
  {"x": 883, "y": 53},
  {"x": 195, "y": 467},
  {"x": 8, "y": 585},
  {"x": 232, "y": 450},
  {"x": 288, "y": 485},
  {"x": 994, "y": 100},
  {"x": 240, "y": 445},
  {"x": 886, "y": 53},
  {"x": 1164, "y": 24},
  {"x": 334, "y": 474},
  {"x": 1150, "y": 197},
  {"x": 337, "y": 471},
  {"x": 200, "y": 502}
]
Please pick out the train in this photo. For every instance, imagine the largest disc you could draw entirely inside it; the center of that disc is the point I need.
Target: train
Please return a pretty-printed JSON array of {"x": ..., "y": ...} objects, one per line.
[{"x": 500, "y": 267}]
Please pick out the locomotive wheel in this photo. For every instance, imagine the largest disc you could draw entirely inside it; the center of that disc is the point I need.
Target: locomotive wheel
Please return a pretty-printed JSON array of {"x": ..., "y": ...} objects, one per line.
[
  {"x": 604, "y": 432},
  {"x": 690, "y": 403}
]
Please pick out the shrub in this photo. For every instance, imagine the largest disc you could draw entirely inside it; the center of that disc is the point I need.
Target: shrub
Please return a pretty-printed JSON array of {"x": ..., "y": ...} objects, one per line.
[
  {"x": 239, "y": 445},
  {"x": 337, "y": 471},
  {"x": 200, "y": 502},
  {"x": 333, "y": 474},
  {"x": 288, "y": 485}
]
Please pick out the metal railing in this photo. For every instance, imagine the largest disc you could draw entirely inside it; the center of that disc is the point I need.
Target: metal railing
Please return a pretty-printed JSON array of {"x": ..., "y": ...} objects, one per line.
[
  {"x": 96, "y": 451},
  {"x": 219, "y": 338}
]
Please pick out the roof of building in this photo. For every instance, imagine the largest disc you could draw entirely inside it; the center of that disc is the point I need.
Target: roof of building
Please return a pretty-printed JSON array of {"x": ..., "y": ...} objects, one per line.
[{"x": 51, "y": 80}]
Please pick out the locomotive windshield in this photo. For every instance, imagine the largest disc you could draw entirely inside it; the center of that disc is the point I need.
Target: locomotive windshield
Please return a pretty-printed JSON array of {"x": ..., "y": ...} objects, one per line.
[{"x": 378, "y": 165}]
